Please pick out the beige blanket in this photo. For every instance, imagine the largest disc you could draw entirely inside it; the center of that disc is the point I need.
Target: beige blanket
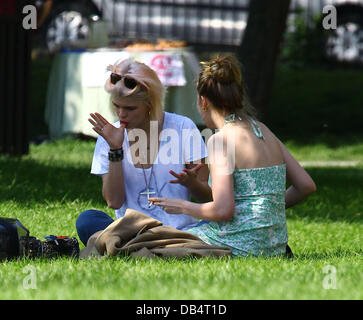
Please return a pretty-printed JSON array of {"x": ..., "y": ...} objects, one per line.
[{"x": 138, "y": 235}]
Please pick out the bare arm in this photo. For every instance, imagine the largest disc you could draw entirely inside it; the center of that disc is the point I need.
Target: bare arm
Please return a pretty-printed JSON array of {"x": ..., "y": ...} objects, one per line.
[
  {"x": 302, "y": 185},
  {"x": 113, "y": 186},
  {"x": 221, "y": 208}
]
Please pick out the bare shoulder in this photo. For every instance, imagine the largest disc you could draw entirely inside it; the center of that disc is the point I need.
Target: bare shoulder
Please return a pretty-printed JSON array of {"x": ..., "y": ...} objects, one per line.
[
  {"x": 265, "y": 129},
  {"x": 267, "y": 133},
  {"x": 288, "y": 159},
  {"x": 217, "y": 145},
  {"x": 262, "y": 125},
  {"x": 218, "y": 136}
]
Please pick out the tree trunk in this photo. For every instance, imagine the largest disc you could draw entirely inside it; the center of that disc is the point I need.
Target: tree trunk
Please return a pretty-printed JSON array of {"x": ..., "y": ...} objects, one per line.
[
  {"x": 260, "y": 48},
  {"x": 15, "y": 62}
]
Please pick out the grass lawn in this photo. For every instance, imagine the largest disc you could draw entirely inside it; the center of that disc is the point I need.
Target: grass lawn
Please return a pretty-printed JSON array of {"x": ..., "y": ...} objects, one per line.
[{"x": 48, "y": 188}]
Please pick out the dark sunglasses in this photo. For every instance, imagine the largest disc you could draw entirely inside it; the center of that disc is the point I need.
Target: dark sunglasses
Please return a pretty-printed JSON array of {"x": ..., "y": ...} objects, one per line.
[{"x": 129, "y": 83}]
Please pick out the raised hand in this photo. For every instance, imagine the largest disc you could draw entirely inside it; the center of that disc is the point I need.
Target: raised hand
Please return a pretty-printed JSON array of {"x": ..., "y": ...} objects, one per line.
[
  {"x": 188, "y": 177},
  {"x": 114, "y": 136}
]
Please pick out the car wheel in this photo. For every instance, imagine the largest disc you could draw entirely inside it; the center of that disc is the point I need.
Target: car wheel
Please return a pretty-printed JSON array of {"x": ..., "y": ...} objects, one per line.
[
  {"x": 68, "y": 26},
  {"x": 345, "y": 43}
]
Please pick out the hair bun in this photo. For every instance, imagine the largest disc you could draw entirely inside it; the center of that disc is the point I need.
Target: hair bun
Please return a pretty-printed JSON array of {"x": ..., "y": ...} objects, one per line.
[{"x": 223, "y": 69}]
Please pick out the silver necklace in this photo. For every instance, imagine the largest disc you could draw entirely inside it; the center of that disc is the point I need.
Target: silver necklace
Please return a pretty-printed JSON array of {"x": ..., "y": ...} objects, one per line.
[{"x": 148, "y": 192}]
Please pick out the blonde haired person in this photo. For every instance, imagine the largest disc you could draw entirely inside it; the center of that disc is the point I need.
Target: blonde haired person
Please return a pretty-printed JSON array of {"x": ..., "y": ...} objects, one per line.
[
  {"x": 248, "y": 171},
  {"x": 139, "y": 155}
]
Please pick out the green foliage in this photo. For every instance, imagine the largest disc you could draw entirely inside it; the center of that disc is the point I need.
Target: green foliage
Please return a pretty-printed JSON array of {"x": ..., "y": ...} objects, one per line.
[
  {"x": 303, "y": 45},
  {"x": 316, "y": 102}
]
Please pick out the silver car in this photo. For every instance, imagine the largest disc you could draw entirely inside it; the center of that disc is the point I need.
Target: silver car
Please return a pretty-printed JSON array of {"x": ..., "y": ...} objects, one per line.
[{"x": 219, "y": 23}]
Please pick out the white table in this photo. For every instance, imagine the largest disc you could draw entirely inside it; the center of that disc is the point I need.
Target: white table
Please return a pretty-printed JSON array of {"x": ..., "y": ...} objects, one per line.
[{"x": 76, "y": 88}]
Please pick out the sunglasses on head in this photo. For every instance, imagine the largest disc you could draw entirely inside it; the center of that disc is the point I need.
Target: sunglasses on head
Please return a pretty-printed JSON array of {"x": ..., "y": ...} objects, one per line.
[{"x": 129, "y": 83}]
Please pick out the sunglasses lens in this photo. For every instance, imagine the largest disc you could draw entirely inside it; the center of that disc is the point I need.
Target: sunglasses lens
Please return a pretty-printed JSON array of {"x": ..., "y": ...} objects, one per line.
[
  {"x": 130, "y": 83},
  {"x": 114, "y": 78}
]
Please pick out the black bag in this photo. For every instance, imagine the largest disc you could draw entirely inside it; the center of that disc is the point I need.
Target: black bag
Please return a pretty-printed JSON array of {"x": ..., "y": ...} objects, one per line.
[{"x": 15, "y": 241}]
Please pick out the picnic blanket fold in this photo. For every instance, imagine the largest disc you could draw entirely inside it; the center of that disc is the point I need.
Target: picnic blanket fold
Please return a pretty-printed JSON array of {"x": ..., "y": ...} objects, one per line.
[{"x": 138, "y": 235}]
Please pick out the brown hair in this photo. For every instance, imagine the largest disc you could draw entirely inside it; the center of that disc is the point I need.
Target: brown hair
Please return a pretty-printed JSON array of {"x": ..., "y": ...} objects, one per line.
[
  {"x": 220, "y": 81},
  {"x": 149, "y": 88}
]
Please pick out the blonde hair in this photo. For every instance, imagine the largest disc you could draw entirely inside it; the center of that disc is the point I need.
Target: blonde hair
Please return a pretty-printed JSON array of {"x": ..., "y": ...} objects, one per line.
[
  {"x": 149, "y": 88},
  {"x": 220, "y": 81}
]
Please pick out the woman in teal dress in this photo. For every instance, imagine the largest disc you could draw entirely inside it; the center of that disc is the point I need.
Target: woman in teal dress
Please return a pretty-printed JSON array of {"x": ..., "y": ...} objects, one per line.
[{"x": 249, "y": 168}]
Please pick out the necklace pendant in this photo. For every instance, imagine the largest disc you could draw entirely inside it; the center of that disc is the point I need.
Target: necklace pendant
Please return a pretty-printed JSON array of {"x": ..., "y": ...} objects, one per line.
[{"x": 146, "y": 193}]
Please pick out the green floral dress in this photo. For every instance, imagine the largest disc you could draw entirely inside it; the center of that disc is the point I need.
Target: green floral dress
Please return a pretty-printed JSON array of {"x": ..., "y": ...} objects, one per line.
[{"x": 258, "y": 226}]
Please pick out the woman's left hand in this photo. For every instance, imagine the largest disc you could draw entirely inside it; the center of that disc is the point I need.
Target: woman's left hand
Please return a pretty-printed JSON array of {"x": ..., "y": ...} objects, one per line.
[{"x": 169, "y": 205}]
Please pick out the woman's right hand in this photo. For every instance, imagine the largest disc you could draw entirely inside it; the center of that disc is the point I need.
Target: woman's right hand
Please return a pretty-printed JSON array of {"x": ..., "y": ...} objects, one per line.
[
  {"x": 188, "y": 177},
  {"x": 114, "y": 136}
]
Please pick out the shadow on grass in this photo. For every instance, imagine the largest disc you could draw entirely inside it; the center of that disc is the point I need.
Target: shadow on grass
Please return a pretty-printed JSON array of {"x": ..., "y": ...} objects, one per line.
[
  {"x": 329, "y": 140},
  {"x": 339, "y": 195},
  {"x": 338, "y": 253},
  {"x": 29, "y": 182}
]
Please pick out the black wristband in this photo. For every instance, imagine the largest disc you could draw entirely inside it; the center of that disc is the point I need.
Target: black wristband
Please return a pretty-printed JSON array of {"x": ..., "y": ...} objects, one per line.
[{"x": 116, "y": 154}]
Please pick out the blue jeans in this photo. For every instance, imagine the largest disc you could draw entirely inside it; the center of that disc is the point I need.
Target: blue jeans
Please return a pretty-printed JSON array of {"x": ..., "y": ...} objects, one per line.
[{"x": 91, "y": 221}]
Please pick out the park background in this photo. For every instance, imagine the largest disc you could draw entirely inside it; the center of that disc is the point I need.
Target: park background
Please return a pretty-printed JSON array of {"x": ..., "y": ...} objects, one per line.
[{"x": 315, "y": 108}]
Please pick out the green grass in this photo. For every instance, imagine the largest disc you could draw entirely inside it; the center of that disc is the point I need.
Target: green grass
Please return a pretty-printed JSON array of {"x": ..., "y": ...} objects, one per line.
[
  {"x": 328, "y": 149},
  {"x": 47, "y": 189}
]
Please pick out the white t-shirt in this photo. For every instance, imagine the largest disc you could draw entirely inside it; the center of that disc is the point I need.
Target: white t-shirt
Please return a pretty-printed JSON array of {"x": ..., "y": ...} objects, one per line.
[{"x": 180, "y": 143}]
